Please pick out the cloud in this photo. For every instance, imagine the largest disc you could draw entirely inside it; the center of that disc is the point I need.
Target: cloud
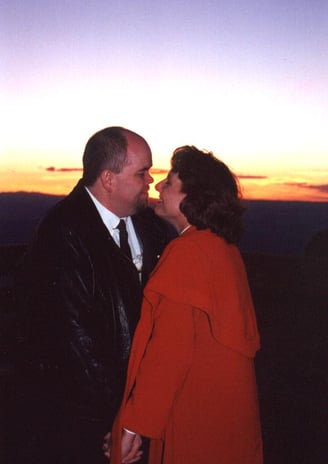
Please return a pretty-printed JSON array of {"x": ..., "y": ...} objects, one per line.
[
  {"x": 241, "y": 176},
  {"x": 53, "y": 169},
  {"x": 250, "y": 176},
  {"x": 323, "y": 188},
  {"x": 158, "y": 171}
]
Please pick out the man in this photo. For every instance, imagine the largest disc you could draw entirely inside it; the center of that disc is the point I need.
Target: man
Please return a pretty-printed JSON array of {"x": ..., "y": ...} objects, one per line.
[{"x": 82, "y": 294}]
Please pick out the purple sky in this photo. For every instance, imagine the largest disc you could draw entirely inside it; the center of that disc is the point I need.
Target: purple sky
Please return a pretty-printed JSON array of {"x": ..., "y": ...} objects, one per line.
[{"x": 246, "y": 79}]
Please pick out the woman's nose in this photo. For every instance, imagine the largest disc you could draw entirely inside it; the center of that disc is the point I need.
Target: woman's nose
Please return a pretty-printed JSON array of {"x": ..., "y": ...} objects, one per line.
[{"x": 158, "y": 186}]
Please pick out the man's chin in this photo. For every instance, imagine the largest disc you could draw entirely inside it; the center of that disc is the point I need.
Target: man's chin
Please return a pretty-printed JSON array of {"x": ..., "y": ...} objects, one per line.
[{"x": 141, "y": 205}]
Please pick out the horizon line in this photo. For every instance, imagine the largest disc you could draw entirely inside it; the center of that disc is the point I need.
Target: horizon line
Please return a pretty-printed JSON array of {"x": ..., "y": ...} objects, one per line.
[{"x": 63, "y": 195}]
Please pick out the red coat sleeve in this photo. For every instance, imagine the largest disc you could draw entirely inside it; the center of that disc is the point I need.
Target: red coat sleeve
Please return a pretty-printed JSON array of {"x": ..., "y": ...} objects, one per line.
[{"x": 162, "y": 370}]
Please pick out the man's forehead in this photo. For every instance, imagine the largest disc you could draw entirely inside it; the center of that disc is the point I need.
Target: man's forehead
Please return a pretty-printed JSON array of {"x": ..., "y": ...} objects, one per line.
[{"x": 141, "y": 160}]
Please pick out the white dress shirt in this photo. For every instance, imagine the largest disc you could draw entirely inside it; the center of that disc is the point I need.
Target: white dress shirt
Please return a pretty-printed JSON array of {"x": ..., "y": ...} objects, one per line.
[{"x": 111, "y": 222}]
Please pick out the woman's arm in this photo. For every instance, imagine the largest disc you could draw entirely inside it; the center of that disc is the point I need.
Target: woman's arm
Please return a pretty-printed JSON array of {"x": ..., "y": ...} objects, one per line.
[{"x": 162, "y": 370}]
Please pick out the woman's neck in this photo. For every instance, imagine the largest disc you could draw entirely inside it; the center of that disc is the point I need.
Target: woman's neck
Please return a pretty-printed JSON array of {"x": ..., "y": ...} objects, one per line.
[{"x": 186, "y": 227}]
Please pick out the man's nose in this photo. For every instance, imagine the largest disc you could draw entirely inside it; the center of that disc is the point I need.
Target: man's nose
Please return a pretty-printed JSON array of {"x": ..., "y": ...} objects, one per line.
[{"x": 149, "y": 179}]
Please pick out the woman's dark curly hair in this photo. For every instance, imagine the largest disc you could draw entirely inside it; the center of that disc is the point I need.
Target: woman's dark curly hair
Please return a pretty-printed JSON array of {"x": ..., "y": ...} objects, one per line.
[{"x": 212, "y": 193}]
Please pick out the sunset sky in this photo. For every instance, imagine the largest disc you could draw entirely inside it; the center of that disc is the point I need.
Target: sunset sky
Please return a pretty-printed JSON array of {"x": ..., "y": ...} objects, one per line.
[{"x": 246, "y": 79}]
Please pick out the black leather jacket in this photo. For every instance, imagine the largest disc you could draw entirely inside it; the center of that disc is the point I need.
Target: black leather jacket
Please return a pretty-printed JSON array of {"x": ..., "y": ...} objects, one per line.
[{"x": 81, "y": 297}]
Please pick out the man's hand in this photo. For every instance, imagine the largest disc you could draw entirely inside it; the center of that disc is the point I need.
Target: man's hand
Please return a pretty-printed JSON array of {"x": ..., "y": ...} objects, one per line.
[
  {"x": 131, "y": 447},
  {"x": 107, "y": 444}
]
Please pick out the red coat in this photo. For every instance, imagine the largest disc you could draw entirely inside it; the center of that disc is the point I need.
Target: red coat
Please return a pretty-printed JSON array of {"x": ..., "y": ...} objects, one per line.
[{"x": 191, "y": 382}]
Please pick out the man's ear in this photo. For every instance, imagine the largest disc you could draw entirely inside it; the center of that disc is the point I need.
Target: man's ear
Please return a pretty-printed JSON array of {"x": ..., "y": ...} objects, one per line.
[{"x": 106, "y": 179}]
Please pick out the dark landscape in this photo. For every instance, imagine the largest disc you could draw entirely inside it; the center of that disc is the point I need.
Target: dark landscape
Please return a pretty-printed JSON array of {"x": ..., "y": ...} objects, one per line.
[
  {"x": 285, "y": 249},
  {"x": 271, "y": 227}
]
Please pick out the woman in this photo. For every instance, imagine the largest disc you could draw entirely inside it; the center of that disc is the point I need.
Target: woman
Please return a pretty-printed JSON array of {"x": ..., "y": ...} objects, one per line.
[{"x": 191, "y": 386}]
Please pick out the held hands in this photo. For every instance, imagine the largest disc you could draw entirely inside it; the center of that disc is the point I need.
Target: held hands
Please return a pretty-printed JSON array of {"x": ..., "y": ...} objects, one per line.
[{"x": 131, "y": 444}]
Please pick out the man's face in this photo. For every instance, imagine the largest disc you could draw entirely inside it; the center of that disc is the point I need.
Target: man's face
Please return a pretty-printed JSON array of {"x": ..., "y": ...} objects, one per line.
[{"x": 130, "y": 187}]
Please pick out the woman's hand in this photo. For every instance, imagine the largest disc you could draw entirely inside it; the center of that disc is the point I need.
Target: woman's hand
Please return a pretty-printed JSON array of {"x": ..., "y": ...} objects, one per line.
[{"x": 131, "y": 444}]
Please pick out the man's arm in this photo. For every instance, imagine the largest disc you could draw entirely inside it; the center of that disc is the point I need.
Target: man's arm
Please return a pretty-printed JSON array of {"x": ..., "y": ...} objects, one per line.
[{"x": 65, "y": 320}]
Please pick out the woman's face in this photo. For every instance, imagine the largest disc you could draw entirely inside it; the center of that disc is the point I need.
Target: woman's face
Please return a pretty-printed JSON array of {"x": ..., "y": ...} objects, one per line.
[{"x": 170, "y": 197}]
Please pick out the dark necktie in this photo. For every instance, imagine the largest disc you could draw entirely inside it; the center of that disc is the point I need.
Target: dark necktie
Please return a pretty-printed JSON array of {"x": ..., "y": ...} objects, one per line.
[{"x": 124, "y": 243}]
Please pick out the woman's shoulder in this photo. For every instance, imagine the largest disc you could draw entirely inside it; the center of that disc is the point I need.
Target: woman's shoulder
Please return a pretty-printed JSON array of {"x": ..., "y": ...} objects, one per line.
[
  {"x": 204, "y": 239},
  {"x": 194, "y": 247}
]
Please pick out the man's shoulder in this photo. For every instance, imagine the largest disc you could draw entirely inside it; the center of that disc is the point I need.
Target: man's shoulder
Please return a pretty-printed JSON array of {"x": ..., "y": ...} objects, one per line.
[
  {"x": 73, "y": 211},
  {"x": 148, "y": 220}
]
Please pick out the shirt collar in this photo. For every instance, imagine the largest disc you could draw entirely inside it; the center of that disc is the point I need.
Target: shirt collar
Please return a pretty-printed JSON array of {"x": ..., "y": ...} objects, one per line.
[{"x": 109, "y": 219}]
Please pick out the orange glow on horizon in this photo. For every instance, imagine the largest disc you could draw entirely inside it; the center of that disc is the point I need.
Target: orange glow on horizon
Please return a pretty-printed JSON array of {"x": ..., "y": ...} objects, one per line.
[{"x": 61, "y": 182}]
